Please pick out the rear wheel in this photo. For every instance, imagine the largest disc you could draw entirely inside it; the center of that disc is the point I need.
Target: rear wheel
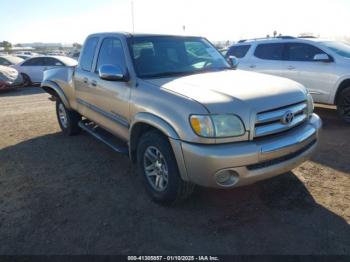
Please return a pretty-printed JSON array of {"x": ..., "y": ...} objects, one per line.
[
  {"x": 67, "y": 119},
  {"x": 157, "y": 166},
  {"x": 26, "y": 80},
  {"x": 343, "y": 105}
]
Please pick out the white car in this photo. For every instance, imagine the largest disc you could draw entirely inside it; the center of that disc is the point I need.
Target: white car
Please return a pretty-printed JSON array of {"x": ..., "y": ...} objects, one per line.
[
  {"x": 9, "y": 60},
  {"x": 33, "y": 68},
  {"x": 322, "y": 66}
]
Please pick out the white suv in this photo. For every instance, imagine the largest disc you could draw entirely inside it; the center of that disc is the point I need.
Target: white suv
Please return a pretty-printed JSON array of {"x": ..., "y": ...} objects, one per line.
[{"x": 322, "y": 66}]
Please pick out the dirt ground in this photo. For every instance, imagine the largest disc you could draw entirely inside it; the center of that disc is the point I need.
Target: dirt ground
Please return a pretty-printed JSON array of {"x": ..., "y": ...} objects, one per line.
[{"x": 74, "y": 195}]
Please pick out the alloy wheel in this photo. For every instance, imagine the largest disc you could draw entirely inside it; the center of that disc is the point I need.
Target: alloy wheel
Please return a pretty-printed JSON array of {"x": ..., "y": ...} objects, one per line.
[
  {"x": 155, "y": 168},
  {"x": 62, "y": 115},
  {"x": 345, "y": 107}
]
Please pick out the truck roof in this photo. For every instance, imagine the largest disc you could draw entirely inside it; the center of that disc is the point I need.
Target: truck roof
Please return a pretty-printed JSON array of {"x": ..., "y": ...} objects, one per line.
[{"x": 128, "y": 34}]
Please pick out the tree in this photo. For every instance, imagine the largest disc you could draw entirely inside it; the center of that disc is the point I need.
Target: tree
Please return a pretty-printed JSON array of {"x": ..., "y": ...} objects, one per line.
[
  {"x": 18, "y": 45},
  {"x": 6, "y": 45}
]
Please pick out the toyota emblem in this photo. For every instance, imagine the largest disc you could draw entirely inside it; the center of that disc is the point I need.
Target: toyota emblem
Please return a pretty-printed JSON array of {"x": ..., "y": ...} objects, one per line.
[{"x": 288, "y": 118}]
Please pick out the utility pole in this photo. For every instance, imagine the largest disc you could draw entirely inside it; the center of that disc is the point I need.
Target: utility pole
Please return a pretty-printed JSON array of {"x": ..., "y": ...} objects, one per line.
[{"x": 132, "y": 16}]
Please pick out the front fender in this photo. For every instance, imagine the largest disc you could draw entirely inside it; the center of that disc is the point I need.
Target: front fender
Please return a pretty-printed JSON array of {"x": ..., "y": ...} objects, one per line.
[
  {"x": 52, "y": 88},
  {"x": 164, "y": 127},
  {"x": 156, "y": 122}
]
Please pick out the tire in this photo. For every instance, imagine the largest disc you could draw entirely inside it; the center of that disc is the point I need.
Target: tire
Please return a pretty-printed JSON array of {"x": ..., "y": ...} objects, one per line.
[
  {"x": 343, "y": 105},
  {"x": 67, "y": 119},
  {"x": 171, "y": 188},
  {"x": 26, "y": 80}
]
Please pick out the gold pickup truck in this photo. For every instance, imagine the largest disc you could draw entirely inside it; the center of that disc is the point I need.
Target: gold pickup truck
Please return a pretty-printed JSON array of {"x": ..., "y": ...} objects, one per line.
[{"x": 182, "y": 113}]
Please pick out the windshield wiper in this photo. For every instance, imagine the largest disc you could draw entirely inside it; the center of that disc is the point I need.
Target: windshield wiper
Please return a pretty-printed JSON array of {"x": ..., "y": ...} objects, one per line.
[
  {"x": 183, "y": 73},
  {"x": 211, "y": 69},
  {"x": 166, "y": 74}
]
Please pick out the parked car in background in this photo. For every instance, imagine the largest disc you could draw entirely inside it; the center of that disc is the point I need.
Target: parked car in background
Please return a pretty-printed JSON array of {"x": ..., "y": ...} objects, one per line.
[
  {"x": 10, "y": 78},
  {"x": 55, "y": 53},
  {"x": 75, "y": 55},
  {"x": 9, "y": 60},
  {"x": 182, "y": 113},
  {"x": 223, "y": 51},
  {"x": 322, "y": 66},
  {"x": 25, "y": 57},
  {"x": 33, "y": 68},
  {"x": 29, "y": 53}
]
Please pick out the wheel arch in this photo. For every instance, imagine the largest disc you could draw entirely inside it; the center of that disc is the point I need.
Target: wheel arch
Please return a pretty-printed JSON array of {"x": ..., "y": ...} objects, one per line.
[
  {"x": 144, "y": 122},
  {"x": 54, "y": 90},
  {"x": 344, "y": 84}
]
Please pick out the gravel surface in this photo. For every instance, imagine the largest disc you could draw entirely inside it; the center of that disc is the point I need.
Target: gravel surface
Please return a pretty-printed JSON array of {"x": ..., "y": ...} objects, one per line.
[{"x": 74, "y": 195}]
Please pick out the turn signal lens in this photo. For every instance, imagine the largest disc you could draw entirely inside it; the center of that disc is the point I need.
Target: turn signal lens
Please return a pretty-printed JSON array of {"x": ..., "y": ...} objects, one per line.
[
  {"x": 202, "y": 125},
  {"x": 217, "y": 126}
]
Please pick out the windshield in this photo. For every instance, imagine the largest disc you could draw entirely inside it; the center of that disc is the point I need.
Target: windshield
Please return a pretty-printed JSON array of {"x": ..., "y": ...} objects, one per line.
[
  {"x": 162, "y": 56},
  {"x": 340, "y": 48}
]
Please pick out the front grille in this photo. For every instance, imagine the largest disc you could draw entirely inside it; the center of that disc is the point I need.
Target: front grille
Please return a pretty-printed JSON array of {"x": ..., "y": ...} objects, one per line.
[
  {"x": 272, "y": 122},
  {"x": 281, "y": 159}
]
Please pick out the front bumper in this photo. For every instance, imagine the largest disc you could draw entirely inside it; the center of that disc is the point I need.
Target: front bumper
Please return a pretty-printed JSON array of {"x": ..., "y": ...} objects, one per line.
[{"x": 250, "y": 161}]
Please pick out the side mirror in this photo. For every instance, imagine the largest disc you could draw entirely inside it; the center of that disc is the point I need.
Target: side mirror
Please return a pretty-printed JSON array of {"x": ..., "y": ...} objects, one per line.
[
  {"x": 322, "y": 58},
  {"x": 233, "y": 61},
  {"x": 111, "y": 73}
]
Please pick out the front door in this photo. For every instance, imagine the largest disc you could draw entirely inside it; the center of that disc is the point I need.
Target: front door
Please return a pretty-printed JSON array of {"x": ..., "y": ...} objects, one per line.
[
  {"x": 83, "y": 75},
  {"x": 112, "y": 97}
]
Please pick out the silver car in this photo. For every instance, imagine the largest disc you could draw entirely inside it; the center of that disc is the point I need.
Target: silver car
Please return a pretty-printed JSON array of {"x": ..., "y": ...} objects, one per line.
[
  {"x": 10, "y": 78},
  {"x": 321, "y": 65}
]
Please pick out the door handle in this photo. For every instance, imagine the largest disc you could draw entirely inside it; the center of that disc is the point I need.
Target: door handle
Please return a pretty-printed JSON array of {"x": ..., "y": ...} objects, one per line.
[
  {"x": 252, "y": 66},
  {"x": 291, "y": 67},
  {"x": 93, "y": 83},
  {"x": 85, "y": 80}
]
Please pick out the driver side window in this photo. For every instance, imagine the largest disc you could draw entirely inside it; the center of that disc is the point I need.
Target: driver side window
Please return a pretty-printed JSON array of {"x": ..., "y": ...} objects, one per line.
[{"x": 111, "y": 53}]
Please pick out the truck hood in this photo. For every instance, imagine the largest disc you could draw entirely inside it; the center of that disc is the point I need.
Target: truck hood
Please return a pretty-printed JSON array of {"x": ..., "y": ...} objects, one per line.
[{"x": 231, "y": 90}]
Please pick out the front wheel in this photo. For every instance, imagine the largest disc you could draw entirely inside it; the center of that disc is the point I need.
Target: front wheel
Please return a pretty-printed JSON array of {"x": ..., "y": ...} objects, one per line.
[
  {"x": 157, "y": 166},
  {"x": 343, "y": 105},
  {"x": 67, "y": 119}
]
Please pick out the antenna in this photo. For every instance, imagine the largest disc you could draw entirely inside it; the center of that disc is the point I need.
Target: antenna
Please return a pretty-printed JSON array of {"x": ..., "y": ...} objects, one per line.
[{"x": 132, "y": 16}]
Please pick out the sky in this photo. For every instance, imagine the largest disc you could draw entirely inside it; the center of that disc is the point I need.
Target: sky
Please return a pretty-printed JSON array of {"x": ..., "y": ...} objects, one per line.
[{"x": 67, "y": 21}]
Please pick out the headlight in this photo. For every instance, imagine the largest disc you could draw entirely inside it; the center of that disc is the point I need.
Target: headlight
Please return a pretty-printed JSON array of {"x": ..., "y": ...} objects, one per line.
[
  {"x": 217, "y": 125},
  {"x": 310, "y": 105}
]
